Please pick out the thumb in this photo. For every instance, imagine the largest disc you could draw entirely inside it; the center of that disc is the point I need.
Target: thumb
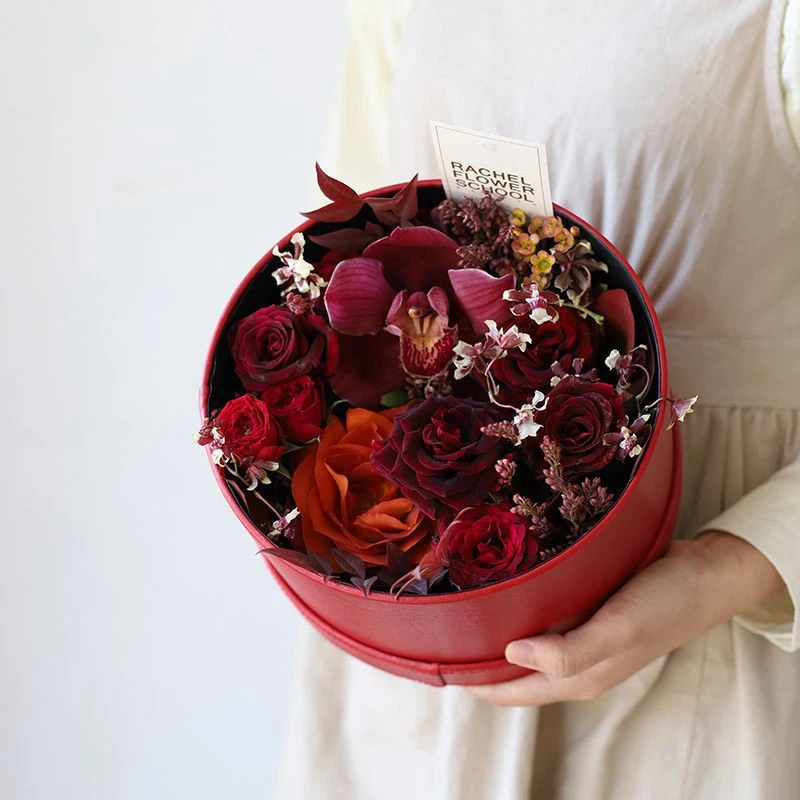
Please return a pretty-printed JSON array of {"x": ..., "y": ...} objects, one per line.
[{"x": 559, "y": 656}]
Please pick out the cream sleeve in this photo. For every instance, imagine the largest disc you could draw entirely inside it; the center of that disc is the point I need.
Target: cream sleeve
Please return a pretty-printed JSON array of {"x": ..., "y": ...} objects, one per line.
[
  {"x": 769, "y": 519},
  {"x": 790, "y": 67}
]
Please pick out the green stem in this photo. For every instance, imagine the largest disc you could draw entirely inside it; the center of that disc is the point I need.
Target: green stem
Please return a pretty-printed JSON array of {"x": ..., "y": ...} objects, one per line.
[{"x": 598, "y": 318}]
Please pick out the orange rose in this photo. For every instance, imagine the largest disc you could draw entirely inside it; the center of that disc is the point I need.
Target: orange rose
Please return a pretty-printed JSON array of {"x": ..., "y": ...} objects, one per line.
[{"x": 344, "y": 503}]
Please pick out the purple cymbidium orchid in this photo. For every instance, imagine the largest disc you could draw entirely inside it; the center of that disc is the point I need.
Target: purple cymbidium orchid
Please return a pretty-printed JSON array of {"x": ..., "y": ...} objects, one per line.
[{"x": 400, "y": 308}]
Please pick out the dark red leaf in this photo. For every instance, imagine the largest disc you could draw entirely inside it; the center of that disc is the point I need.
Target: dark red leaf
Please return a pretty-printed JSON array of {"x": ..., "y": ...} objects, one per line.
[
  {"x": 335, "y": 212},
  {"x": 403, "y": 205},
  {"x": 321, "y": 565},
  {"x": 419, "y": 580},
  {"x": 350, "y": 563},
  {"x": 388, "y": 218},
  {"x": 398, "y": 564},
  {"x": 349, "y": 240},
  {"x": 292, "y": 556},
  {"x": 436, "y": 577},
  {"x": 364, "y": 585},
  {"x": 335, "y": 190},
  {"x": 408, "y": 205}
]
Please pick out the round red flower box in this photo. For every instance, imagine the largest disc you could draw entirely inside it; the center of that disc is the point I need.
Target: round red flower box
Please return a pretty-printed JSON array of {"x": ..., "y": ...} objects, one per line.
[{"x": 460, "y": 637}]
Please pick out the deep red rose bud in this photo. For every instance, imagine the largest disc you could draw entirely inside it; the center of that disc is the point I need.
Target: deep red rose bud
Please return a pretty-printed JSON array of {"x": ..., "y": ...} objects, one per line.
[
  {"x": 274, "y": 345},
  {"x": 439, "y": 456},
  {"x": 327, "y": 264},
  {"x": 578, "y": 415},
  {"x": 299, "y": 407},
  {"x": 248, "y": 431},
  {"x": 486, "y": 544},
  {"x": 571, "y": 336}
]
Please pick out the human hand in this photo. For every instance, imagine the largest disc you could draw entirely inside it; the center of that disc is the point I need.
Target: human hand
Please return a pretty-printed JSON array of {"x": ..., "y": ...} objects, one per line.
[{"x": 696, "y": 586}]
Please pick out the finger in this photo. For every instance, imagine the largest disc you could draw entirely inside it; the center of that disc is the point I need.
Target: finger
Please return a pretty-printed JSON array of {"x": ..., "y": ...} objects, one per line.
[
  {"x": 603, "y": 636},
  {"x": 540, "y": 689},
  {"x": 532, "y": 690}
]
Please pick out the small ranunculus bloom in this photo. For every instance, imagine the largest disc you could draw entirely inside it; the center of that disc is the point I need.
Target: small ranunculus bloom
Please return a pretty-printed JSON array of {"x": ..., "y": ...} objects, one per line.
[
  {"x": 274, "y": 345},
  {"x": 346, "y": 504},
  {"x": 248, "y": 432},
  {"x": 299, "y": 406},
  {"x": 578, "y": 415},
  {"x": 486, "y": 544},
  {"x": 439, "y": 456},
  {"x": 520, "y": 373}
]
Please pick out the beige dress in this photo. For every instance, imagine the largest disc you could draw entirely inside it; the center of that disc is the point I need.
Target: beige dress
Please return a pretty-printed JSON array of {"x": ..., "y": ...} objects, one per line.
[{"x": 665, "y": 127}]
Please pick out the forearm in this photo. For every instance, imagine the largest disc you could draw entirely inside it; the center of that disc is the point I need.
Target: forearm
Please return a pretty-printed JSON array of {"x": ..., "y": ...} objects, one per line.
[{"x": 733, "y": 575}]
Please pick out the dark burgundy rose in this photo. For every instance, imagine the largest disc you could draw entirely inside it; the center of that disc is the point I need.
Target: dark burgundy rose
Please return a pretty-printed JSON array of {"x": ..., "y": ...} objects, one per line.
[
  {"x": 438, "y": 456},
  {"x": 486, "y": 544},
  {"x": 578, "y": 414},
  {"x": 299, "y": 407},
  {"x": 274, "y": 345},
  {"x": 248, "y": 431},
  {"x": 519, "y": 374}
]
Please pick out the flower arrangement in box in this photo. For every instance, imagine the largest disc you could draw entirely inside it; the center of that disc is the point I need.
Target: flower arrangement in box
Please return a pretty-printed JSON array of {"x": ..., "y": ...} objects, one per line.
[{"x": 415, "y": 400}]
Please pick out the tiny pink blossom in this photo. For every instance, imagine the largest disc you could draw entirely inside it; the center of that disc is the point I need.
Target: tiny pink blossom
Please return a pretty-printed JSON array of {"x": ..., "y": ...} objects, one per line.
[
  {"x": 511, "y": 339},
  {"x": 503, "y": 430},
  {"x": 496, "y": 343},
  {"x": 531, "y": 301},
  {"x": 525, "y": 420},
  {"x": 297, "y": 271},
  {"x": 466, "y": 356},
  {"x": 680, "y": 408},
  {"x": 506, "y": 469},
  {"x": 631, "y": 437}
]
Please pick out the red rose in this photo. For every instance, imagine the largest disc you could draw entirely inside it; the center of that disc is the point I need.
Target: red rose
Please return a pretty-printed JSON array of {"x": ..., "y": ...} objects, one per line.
[
  {"x": 519, "y": 374},
  {"x": 248, "y": 431},
  {"x": 578, "y": 414},
  {"x": 298, "y": 406},
  {"x": 274, "y": 345},
  {"x": 486, "y": 544},
  {"x": 438, "y": 456}
]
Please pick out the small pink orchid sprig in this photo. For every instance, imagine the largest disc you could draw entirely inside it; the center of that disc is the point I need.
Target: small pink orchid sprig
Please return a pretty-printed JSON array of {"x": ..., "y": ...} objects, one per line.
[
  {"x": 679, "y": 408},
  {"x": 481, "y": 356},
  {"x": 631, "y": 437},
  {"x": 628, "y": 367},
  {"x": 574, "y": 367},
  {"x": 284, "y": 525},
  {"x": 300, "y": 276},
  {"x": 532, "y": 302}
]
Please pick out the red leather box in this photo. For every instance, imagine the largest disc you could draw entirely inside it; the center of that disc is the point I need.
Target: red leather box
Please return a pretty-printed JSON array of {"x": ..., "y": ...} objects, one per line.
[{"x": 460, "y": 637}]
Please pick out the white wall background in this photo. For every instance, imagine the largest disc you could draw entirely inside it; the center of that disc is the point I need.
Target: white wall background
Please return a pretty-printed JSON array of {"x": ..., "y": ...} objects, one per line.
[{"x": 150, "y": 152}]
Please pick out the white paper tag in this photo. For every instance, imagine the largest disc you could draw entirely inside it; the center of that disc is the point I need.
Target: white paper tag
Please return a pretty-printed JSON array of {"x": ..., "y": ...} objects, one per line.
[{"x": 472, "y": 163}]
